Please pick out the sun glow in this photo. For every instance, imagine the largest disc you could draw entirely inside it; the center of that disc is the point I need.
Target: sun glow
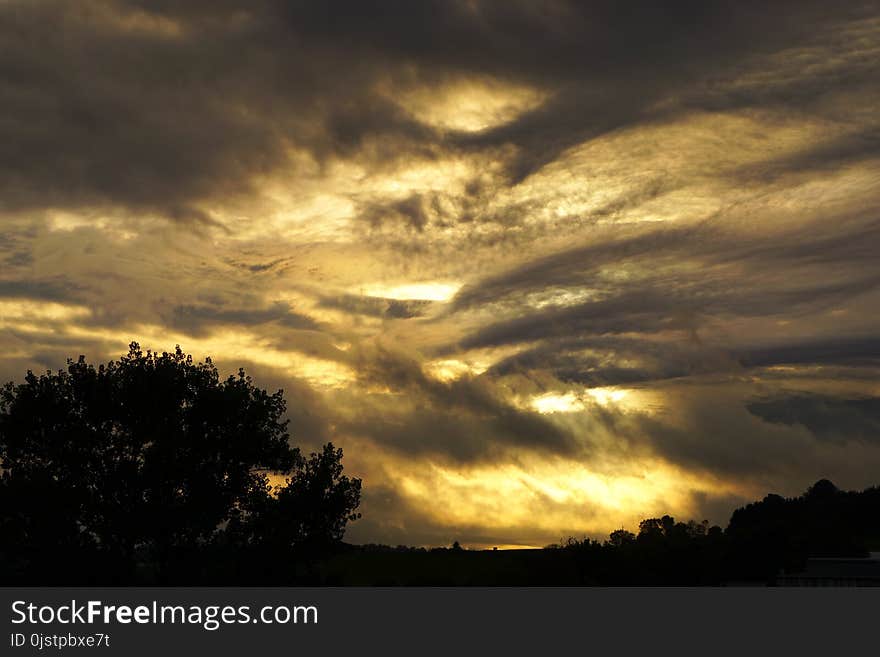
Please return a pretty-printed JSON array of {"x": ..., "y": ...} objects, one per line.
[
  {"x": 451, "y": 369},
  {"x": 24, "y": 311},
  {"x": 428, "y": 291},
  {"x": 554, "y": 403},
  {"x": 606, "y": 396},
  {"x": 470, "y": 105},
  {"x": 555, "y": 496},
  {"x": 571, "y": 402}
]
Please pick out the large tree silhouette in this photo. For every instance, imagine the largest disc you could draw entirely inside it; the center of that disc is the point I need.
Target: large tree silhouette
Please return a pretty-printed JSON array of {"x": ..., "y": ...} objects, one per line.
[{"x": 149, "y": 460}]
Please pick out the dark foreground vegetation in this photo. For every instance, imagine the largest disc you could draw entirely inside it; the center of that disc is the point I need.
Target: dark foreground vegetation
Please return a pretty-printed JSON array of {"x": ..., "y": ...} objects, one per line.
[
  {"x": 762, "y": 541},
  {"x": 153, "y": 470}
]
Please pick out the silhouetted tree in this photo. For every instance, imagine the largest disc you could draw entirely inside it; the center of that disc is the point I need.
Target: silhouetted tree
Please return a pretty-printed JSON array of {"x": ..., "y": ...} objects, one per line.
[
  {"x": 308, "y": 512},
  {"x": 779, "y": 533},
  {"x": 149, "y": 459},
  {"x": 655, "y": 528},
  {"x": 620, "y": 537}
]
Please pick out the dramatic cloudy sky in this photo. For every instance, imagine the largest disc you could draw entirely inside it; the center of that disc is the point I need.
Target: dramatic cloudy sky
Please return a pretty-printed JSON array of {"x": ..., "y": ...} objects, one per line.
[{"x": 540, "y": 268}]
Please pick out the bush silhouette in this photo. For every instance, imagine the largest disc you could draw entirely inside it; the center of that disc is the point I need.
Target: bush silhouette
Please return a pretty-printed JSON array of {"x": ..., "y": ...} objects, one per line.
[{"x": 150, "y": 462}]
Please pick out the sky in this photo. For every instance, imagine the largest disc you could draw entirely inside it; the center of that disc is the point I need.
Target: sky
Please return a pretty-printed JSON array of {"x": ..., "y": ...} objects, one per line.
[{"x": 541, "y": 269}]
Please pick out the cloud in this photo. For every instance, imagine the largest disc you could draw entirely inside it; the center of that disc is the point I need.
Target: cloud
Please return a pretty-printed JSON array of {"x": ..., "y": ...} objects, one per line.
[
  {"x": 196, "y": 319},
  {"x": 162, "y": 108},
  {"x": 425, "y": 220},
  {"x": 377, "y": 306},
  {"x": 465, "y": 419},
  {"x": 855, "y": 351},
  {"x": 829, "y": 418},
  {"x": 55, "y": 289}
]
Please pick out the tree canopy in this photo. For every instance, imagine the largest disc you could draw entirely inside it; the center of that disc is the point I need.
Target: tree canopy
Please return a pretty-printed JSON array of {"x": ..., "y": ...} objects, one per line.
[{"x": 154, "y": 456}]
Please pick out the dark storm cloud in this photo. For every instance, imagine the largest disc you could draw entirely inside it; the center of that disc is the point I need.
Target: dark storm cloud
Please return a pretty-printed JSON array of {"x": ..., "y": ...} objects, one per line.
[
  {"x": 376, "y": 306},
  {"x": 662, "y": 64},
  {"x": 264, "y": 266},
  {"x": 466, "y": 419},
  {"x": 198, "y": 319},
  {"x": 852, "y": 351},
  {"x": 157, "y": 106},
  {"x": 848, "y": 149},
  {"x": 456, "y": 435},
  {"x": 666, "y": 304},
  {"x": 644, "y": 310},
  {"x": 843, "y": 242},
  {"x": 836, "y": 419},
  {"x": 412, "y": 211},
  {"x": 713, "y": 426},
  {"x": 469, "y": 412},
  {"x": 730, "y": 276},
  {"x": 105, "y": 115},
  {"x": 573, "y": 266},
  {"x": 16, "y": 248},
  {"x": 608, "y": 64},
  {"x": 594, "y": 361},
  {"x": 19, "y": 259},
  {"x": 58, "y": 289},
  {"x": 715, "y": 433}
]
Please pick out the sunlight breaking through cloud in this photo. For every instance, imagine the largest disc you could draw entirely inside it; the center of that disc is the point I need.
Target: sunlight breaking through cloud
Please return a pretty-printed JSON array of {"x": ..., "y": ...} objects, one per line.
[{"x": 533, "y": 279}]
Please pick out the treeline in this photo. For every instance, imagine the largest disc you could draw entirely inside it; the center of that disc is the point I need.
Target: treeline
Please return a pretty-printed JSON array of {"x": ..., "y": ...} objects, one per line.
[{"x": 761, "y": 541}]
